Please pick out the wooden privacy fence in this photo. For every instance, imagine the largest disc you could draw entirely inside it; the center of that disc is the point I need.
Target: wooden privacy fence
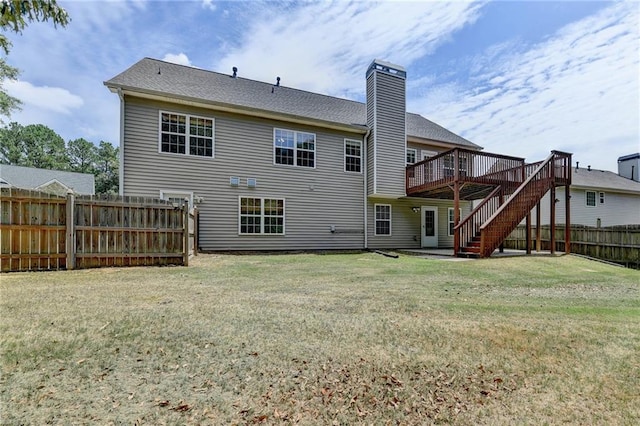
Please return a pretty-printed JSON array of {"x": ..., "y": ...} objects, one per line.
[
  {"x": 619, "y": 244},
  {"x": 40, "y": 231}
]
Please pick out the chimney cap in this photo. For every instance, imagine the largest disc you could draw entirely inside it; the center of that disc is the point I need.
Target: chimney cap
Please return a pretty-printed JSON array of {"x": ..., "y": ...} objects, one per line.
[{"x": 387, "y": 68}]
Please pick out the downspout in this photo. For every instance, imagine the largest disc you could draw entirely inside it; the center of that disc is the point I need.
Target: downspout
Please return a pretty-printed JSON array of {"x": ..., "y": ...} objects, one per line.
[
  {"x": 365, "y": 170},
  {"x": 121, "y": 151}
]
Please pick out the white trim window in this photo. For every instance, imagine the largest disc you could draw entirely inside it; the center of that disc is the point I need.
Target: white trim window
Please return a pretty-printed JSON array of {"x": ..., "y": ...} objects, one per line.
[
  {"x": 186, "y": 134},
  {"x": 293, "y": 148},
  {"x": 601, "y": 197},
  {"x": 352, "y": 156},
  {"x": 412, "y": 156},
  {"x": 383, "y": 219},
  {"x": 449, "y": 169},
  {"x": 590, "y": 198},
  {"x": 260, "y": 216},
  {"x": 177, "y": 197},
  {"x": 451, "y": 220}
]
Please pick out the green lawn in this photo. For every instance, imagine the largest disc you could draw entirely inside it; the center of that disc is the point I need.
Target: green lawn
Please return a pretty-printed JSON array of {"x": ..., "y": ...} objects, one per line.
[{"x": 323, "y": 339}]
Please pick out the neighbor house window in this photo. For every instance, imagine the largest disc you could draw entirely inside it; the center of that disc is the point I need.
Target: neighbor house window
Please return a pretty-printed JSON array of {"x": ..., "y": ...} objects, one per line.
[
  {"x": 177, "y": 197},
  {"x": 451, "y": 219},
  {"x": 261, "y": 216},
  {"x": 383, "y": 219},
  {"x": 411, "y": 155},
  {"x": 591, "y": 198},
  {"x": 186, "y": 134},
  {"x": 601, "y": 197},
  {"x": 352, "y": 156},
  {"x": 294, "y": 148}
]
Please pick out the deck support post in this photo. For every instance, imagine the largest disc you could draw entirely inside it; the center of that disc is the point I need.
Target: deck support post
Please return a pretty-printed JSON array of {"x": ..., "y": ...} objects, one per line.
[
  {"x": 528, "y": 236},
  {"x": 456, "y": 200},
  {"x": 567, "y": 225},
  {"x": 552, "y": 219},
  {"x": 538, "y": 230}
]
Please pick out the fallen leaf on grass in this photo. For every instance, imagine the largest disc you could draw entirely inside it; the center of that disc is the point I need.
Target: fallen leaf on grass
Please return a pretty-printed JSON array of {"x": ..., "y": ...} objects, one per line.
[
  {"x": 182, "y": 408},
  {"x": 163, "y": 403}
]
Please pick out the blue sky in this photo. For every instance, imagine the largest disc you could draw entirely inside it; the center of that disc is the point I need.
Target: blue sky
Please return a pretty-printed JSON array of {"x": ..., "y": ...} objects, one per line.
[{"x": 518, "y": 78}]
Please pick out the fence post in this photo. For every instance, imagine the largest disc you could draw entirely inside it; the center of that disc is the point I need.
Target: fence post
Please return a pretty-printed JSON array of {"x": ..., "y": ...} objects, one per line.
[
  {"x": 185, "y": 233},
  {"x": 196, "y": 218},
  {"x": 71, "y": 233}
]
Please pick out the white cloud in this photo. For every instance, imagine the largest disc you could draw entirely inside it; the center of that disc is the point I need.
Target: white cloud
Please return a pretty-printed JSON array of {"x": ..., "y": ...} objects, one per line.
[
  {"x": 53, "y": 99},
  {"x": 577, "y": 91},
  {"x": 180, "y": 59},
  {"x": 208, "y": 4},
  {"x": 325, "y": 47}
]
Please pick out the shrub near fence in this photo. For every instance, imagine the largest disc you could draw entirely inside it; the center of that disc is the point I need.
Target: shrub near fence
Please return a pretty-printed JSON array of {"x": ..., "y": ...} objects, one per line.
[
  {"x": 39, "y": 231},
  {"x": 619, "y": 244}
]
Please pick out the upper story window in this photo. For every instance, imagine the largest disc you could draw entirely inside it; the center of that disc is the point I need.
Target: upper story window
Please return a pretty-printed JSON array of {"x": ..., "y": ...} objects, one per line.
[
  {"x": 294, "y": 148},
  {"x": 352, "y": 156},
  {"x": 186, "y": 134},
  {"x": 411, "y": 155},
  {"x": 601, "y": 197},
  {"x": 449, "y": 165},
  {"x": 591, "y": 198}
]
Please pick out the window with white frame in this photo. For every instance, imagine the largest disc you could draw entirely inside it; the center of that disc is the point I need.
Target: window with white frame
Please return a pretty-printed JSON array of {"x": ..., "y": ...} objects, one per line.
[
  {"x": 451, "y": 219},
  {"x": 590, "y": 197},
  {"x": 186, "y": 134},
  {"x": 449, "y": 165},
  {"x": 352, "y": 156},
  {"x": 383, "y": 219},
  {"x": 601, "y": 197},
  {"x": 411, "y": 155},
  {"x": 294, "y": 148},
  {"x": 261, "y": 216},
  {"x": 177, "y": 197}
]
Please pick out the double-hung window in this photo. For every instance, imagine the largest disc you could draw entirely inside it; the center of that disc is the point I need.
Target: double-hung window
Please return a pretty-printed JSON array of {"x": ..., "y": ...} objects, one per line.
[
  {"x": 449, "y": 165},
  {"x": 383, "y": 219},
  {"x": 411, "y": 156},
  {"x": 591, "y": 198},
  {"x": 352, "y": 156},
  {"x": 261, "y": 216},
  {"x": 294, "y": 148},
  {"x": 186, "y": 134}
]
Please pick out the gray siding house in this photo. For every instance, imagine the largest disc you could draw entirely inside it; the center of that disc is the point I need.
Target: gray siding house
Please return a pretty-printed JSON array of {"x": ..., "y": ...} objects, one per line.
[
  {"x": 277, "y": 168},
  {"x": 598, "y": 198}
]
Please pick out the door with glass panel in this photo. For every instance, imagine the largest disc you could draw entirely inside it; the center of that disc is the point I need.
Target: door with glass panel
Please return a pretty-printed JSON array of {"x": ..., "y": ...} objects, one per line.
[{"x": 429, "y": 226}]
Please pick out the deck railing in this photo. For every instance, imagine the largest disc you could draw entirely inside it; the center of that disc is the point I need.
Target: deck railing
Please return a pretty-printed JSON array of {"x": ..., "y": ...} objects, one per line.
[
  {"x": 555, "y": 170},
  {"x": 464, "y": 165}
]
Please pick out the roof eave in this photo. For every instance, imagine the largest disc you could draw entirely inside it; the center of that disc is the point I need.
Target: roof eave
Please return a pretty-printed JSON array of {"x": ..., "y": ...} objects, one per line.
[{"x": 223, "y": 107}]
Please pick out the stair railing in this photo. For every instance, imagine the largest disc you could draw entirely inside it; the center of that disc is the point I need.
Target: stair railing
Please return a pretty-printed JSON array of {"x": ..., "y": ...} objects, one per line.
[
  {"x": 468, "y": 227},
  {"x": 511, "y": 213}
]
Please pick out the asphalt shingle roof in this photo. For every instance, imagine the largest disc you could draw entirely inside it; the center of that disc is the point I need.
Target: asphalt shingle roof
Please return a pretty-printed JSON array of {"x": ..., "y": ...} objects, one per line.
[
  {"x": 31, "y": 177},
  {"x": 603, "y": 179},
  {"x": 152, "y": 76}
]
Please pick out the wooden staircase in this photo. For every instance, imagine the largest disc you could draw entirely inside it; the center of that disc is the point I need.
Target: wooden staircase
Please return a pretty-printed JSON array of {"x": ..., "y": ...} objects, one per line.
[{"x": 494, "y": 219}]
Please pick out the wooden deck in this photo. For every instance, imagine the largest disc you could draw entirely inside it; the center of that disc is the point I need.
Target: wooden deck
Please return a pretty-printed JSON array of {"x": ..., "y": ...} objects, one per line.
[{"x": 508, "y": 187}]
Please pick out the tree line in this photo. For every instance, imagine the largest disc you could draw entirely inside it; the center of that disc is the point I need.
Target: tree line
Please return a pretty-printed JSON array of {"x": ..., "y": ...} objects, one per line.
[{"x": 36, "y": 145}]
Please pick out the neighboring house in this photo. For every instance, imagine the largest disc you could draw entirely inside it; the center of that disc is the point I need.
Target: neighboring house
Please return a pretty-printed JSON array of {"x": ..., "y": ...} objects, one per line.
[
  {"x": 598, "y": 198},
  {"x": 629, "y": 166},
  {"x": 50, "y": 181},
  {"x": 276, "y": 168}
]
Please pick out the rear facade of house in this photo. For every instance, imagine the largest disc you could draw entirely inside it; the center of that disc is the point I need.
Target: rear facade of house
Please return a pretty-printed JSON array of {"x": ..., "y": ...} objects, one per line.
[{"x": 275, "y": 168}]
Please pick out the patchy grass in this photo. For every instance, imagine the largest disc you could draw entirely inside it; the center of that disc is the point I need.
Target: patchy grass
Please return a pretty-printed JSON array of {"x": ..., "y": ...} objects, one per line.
[{"x": 322, "y": 339}]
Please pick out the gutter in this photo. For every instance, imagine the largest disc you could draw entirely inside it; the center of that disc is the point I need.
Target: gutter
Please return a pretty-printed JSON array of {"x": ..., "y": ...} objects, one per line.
[
  {"x": 121, "y": 153},
  {"x": 364, "y": 198}
]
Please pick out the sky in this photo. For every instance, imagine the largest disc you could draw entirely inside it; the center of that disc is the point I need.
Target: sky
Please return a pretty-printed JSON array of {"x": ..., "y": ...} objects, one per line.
[{"x": 517, "y": 78}]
